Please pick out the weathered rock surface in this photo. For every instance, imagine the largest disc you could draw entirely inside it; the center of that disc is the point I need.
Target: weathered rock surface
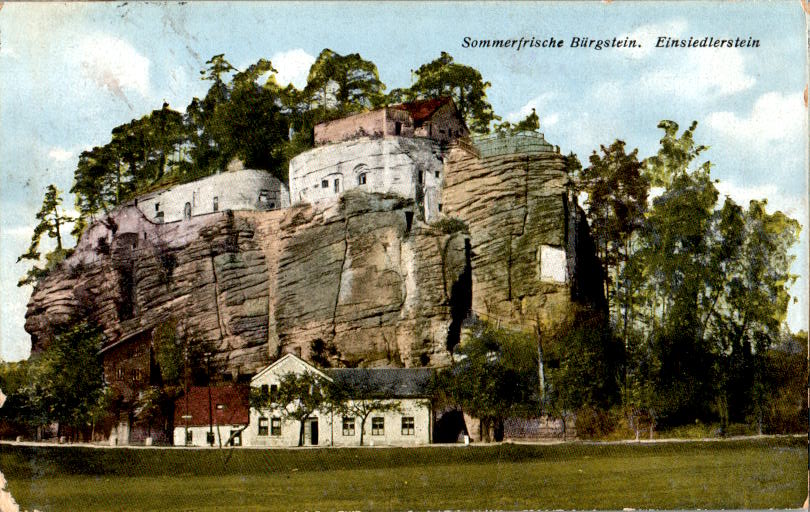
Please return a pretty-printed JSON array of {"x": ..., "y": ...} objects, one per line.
[
  {"x": 360, "y": 281},
  {"x": 353, "y": 280},
  {"x": 514, "y": 203}
]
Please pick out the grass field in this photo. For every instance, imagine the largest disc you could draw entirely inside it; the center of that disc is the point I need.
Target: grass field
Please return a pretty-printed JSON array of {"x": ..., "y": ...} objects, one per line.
[{"x": 758, "y": 473}]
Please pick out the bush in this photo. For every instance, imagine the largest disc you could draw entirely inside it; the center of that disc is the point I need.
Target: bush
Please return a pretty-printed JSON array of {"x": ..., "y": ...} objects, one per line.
[{"x": 450, "y": 225}]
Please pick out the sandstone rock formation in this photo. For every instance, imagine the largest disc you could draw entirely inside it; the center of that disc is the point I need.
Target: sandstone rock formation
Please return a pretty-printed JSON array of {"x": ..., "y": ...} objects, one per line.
[
  {"x": 360, "y": 281},
  {"x": 355, "y": 280}
]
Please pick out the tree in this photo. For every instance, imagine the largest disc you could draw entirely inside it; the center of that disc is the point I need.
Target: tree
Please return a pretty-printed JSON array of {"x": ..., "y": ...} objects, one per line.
[
  {"x": 495, "y": 377},
  {"x": 444, "y": 77},
  {"x": 297, "y": 396},
  {"x": 343, "y": 84},
  {"x": 51, "y": 222},
  {"x": 69, "y": 377},
  {"x": 359, "y": 400},
  {"x": 530, "y": 123}
]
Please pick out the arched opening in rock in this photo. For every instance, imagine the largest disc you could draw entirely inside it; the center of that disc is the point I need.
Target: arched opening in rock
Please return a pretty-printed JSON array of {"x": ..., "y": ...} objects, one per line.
[
  {"x": 460, "y": 299},
  {"x": 449, "y": 427}
]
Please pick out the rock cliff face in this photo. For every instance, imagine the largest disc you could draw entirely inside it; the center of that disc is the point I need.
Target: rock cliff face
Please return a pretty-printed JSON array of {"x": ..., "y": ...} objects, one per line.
[
  {"x": 359, "y": 281},
  {"x": 531, "y": 251}
]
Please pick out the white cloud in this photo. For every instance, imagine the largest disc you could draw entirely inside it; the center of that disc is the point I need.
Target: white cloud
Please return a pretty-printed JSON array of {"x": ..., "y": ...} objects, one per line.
[
  {"x": 646, "y": 36},
  {"x": 702, "y": 73},
  {"x": 541, "y": 105},
  {"x": 60, "y": 154},
  {"x": 8, "y": 51},
  {"x": 113, "y": 64},
  {"x": 791, "y": 205},
  {"x": 774, "y": 117},
  {"x": 293, "y": 67}
]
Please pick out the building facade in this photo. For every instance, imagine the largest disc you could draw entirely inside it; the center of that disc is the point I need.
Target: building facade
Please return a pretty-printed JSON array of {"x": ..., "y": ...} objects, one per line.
[
  {"x": 239, "y": 189},
  {"x": 409, "y": 424},
  {"x": 211, "y": 416},
  {"x": 392, "y": 150}
]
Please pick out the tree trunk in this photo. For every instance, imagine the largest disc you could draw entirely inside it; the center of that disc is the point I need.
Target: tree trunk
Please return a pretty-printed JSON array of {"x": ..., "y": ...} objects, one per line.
[
  {"x": 301, "y": 432},
  {"x": 540, "y": 369},
  {"x": 362, "y": 429}
]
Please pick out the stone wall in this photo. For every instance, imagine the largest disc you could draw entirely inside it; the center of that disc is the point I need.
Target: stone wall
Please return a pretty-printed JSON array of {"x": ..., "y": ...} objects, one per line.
[
  {"x": 377, "y": 123},
  {"x": 246, "y": 189}
]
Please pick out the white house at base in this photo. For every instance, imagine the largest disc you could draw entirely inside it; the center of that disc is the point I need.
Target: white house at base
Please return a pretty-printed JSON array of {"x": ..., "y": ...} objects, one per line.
[{"x": 410, "y": 424}]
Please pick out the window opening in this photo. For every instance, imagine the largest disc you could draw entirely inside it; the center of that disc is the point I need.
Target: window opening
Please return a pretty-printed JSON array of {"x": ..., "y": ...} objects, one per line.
[
  {"x": 187, "y": 211},
  {"x": 397, "y": 128},
  {"x": 324, "y": 183},
  {"x": 348, "y": 426},
  {"x": 216, "y": 203},
  {"x": 361, "y": 179},
  {"x": 275, "y": 427},
  {"x": 377, "y": 426},
  {"x": 337, "y": 186},
  {"x": 407, "y": 426},
  {"x": 263, "y": 426}
]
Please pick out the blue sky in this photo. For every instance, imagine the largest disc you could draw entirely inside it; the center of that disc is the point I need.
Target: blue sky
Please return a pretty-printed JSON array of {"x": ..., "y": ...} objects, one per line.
[{"x": 72, "y": 72}]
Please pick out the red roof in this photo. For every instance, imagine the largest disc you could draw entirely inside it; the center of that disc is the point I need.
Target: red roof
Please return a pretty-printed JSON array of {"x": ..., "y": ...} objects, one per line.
[
  {"x": 423, "y": 109},
  {"x": 229, "y": 406}
]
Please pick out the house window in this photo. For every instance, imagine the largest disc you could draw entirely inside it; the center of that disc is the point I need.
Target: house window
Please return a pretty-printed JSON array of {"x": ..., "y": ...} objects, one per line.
[
  {"x": 120, "y": 374},
  {"x": 348, "y": 426},
  {"x": 264, "y": 196},
  {"x": 216, "y": 203},
  {"x": 209, "y": 438},
  {"x": 263, "y": 426},
  {"x": 273, "y": 389},
  {"x": 235, "y": 438},
  {"x": 324, "y": 183},
  {"x": 407, "y": 425},
  {"x": 337, "y": 186},
  {"x": 189, "y": 437},
  {"x": 187, "y": 211},
  {"x": 377, "y": 426},
  {"x": 275, "y": 426},
  {"x": 361, "y": 180}
]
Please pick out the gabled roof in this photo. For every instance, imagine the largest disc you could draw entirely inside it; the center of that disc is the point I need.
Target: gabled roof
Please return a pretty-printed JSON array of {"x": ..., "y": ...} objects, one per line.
[
  {"x": 385, "y": 382},
  {"x": 421, "y": 110},
  {"x": 286, "y": 359},
  {"x": 232, "y": 398}
]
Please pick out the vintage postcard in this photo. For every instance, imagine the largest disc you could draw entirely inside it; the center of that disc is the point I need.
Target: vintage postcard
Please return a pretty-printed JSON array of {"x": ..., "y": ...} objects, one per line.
[{"x": 400, "y": 256}]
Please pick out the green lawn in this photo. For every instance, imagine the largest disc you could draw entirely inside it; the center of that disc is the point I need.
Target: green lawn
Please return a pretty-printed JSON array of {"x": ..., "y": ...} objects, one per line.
[{"x": 760, "y": 473}]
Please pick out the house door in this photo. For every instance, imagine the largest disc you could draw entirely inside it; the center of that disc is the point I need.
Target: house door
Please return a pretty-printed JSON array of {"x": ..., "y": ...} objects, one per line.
[{"x": 313, "y": 432}]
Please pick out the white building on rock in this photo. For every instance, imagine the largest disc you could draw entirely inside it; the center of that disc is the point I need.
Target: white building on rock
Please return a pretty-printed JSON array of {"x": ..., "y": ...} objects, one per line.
[
  {"x": 235, "y": 189},
  {"x": 409, "y": 423},
  {"x": 392, "y": 150}
]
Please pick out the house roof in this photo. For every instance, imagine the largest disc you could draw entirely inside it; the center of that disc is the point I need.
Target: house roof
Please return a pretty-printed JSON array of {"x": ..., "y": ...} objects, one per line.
[
  {"x": 384, "y": 382},
  {"x": 229, "y": 406},
  {"x": 283, "y": 360},
  {"x": 421, "y": 110}
]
